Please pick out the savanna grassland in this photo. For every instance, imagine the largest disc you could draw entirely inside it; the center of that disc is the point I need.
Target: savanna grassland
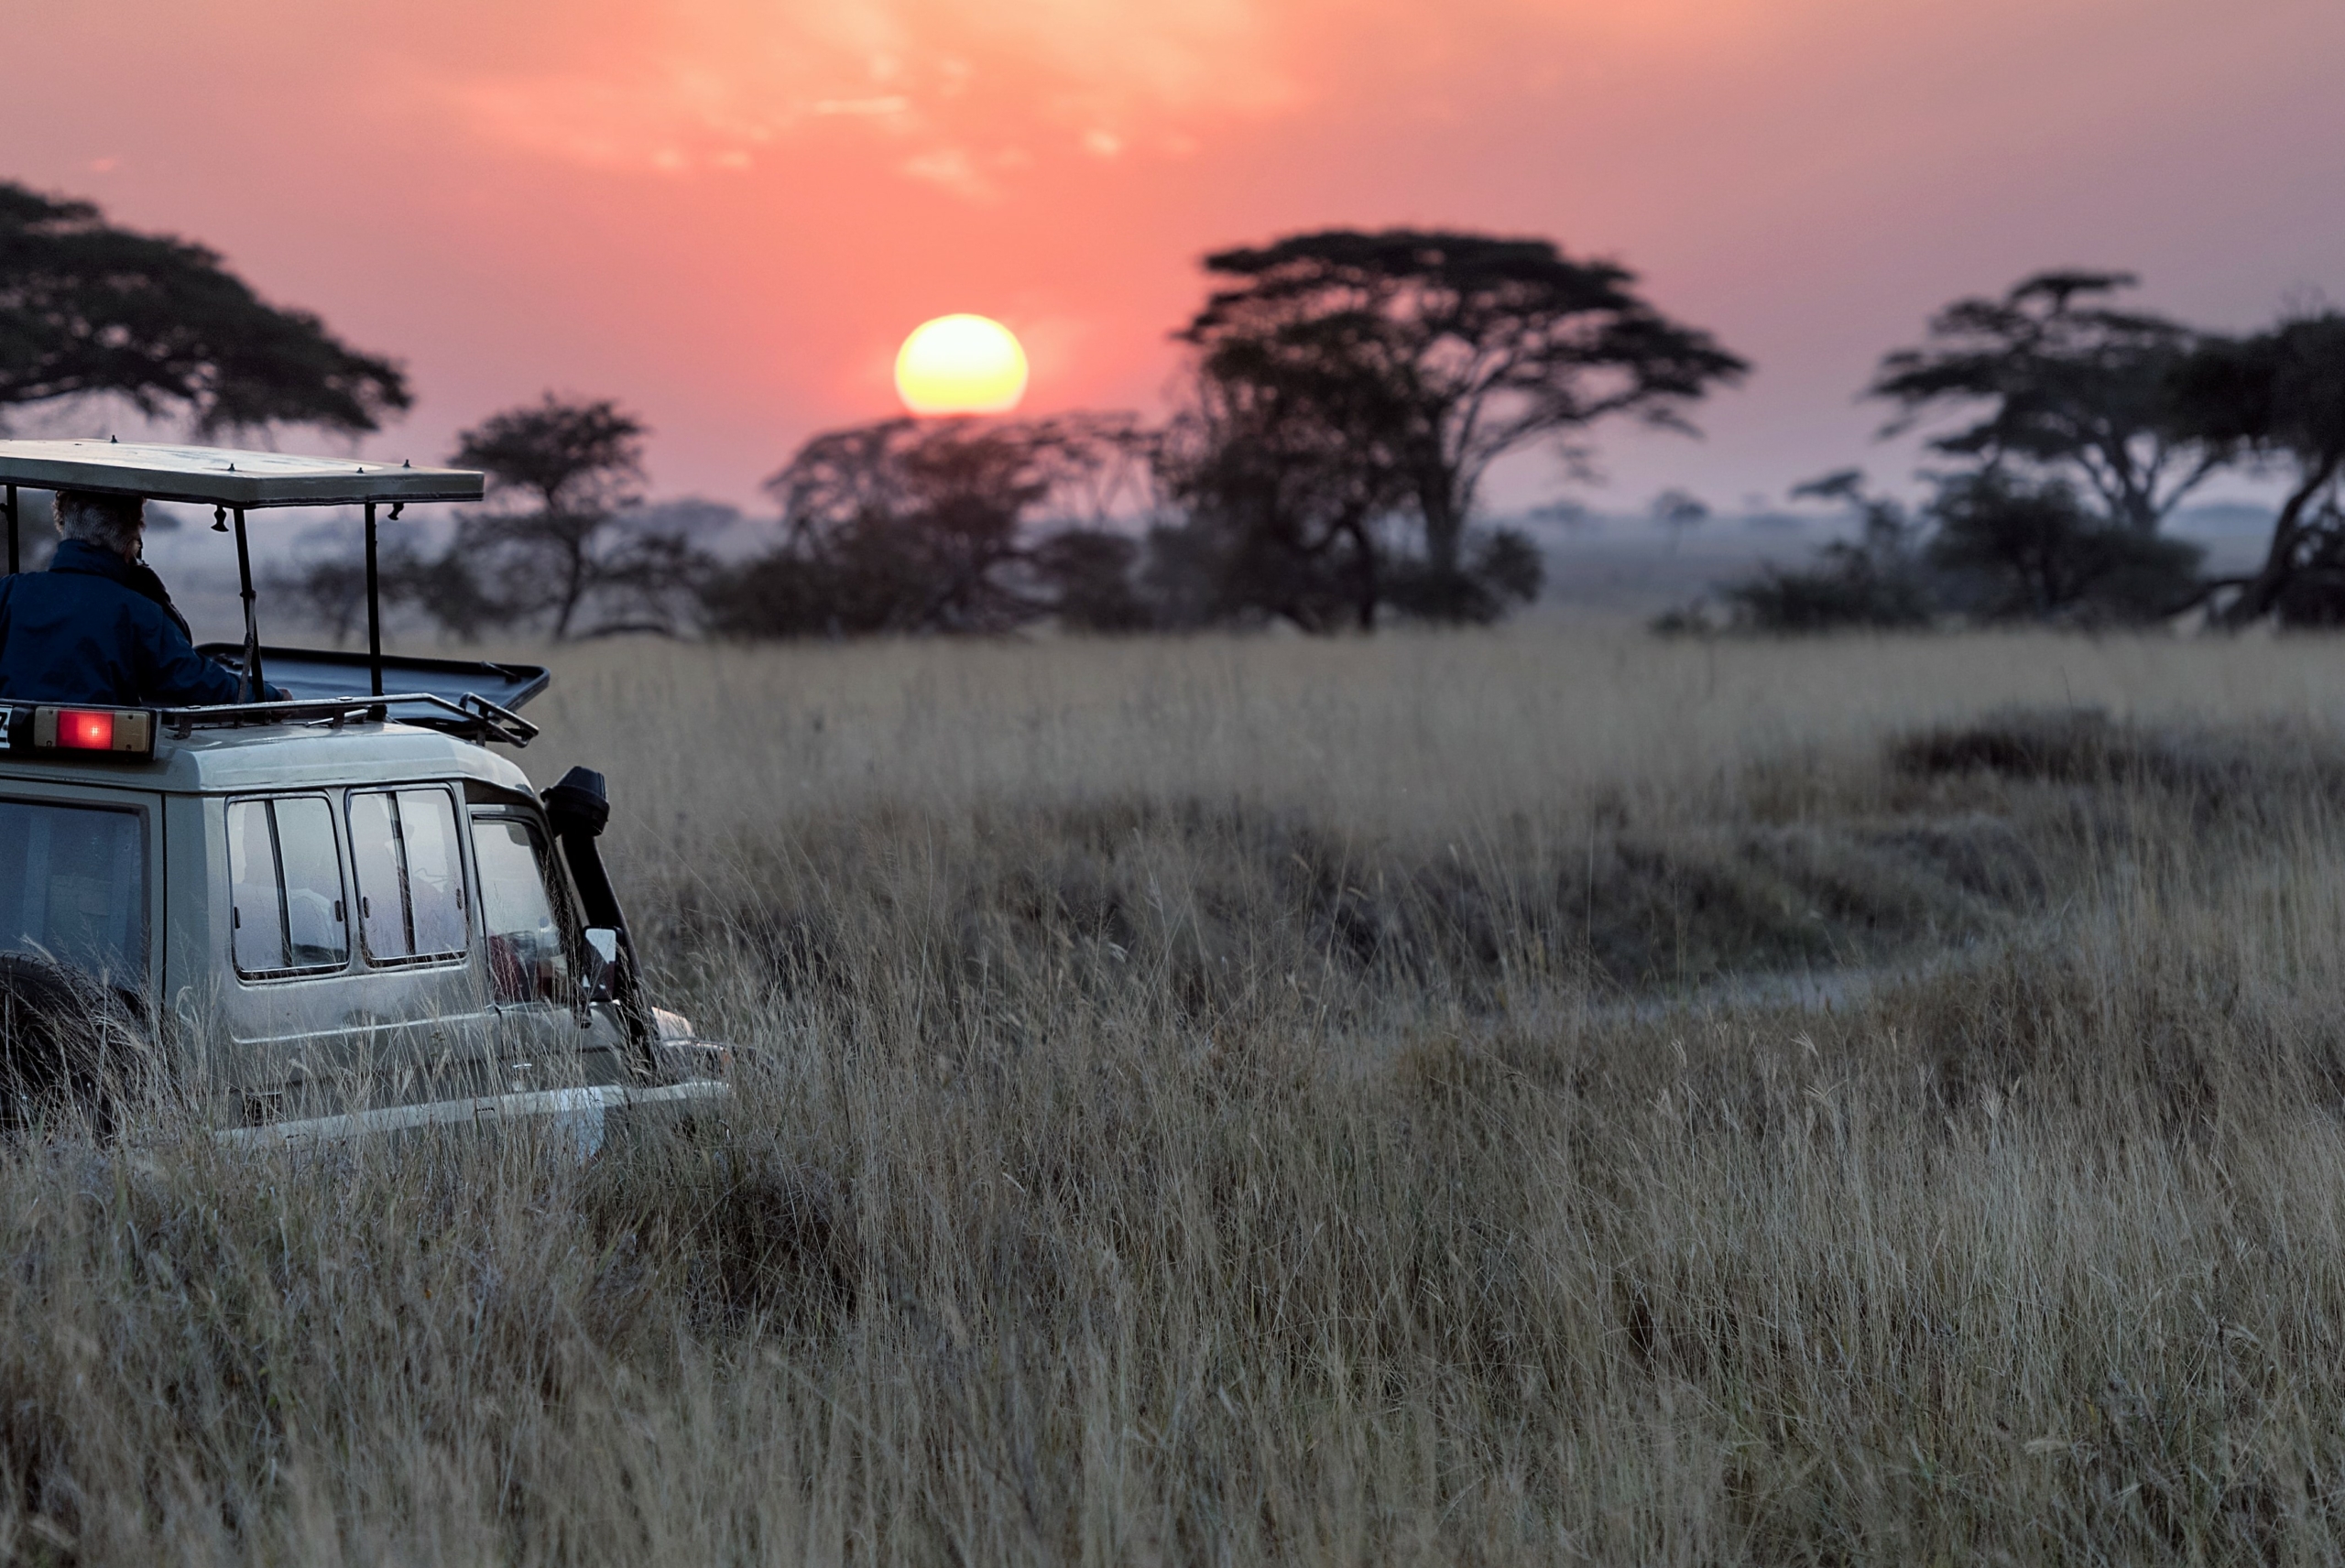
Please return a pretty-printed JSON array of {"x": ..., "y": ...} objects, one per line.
[{"x": 1535, "y": 1097}]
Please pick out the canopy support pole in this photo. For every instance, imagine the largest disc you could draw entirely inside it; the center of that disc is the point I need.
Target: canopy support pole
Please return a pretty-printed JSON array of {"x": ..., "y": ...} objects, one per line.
[
  {"x": 374, "y": 609},
  {"x": 12, "y": 530},
  {"x": 254, "y": 687}
]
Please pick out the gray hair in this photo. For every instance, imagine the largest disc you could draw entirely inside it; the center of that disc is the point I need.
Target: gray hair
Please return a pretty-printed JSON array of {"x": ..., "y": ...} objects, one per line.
[{"x": 110, "y": 522}]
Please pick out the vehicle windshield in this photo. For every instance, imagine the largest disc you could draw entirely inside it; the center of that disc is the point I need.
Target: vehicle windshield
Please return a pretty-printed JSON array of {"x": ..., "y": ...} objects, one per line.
[{"x": 74, "y": 887}]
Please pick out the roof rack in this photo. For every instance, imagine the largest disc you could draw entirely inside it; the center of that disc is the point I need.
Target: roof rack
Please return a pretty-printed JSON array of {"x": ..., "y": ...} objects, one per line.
[
  {"x": 229, "y": 480},
  {"x": 471, "y": 717}
]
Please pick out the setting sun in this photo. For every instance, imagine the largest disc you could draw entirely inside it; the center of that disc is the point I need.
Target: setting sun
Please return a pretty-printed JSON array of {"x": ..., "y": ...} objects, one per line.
[{"x": 961, "y": 364}]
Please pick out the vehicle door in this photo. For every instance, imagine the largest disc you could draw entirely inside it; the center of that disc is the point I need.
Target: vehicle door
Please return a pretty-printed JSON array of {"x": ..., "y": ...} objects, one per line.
[
  {"x": 531, "y": 940},
  {"x": 288, "y": 936}
]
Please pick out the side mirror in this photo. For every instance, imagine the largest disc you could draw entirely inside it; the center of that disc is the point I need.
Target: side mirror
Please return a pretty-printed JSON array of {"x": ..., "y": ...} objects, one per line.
[{"x": 602, "y": 961}]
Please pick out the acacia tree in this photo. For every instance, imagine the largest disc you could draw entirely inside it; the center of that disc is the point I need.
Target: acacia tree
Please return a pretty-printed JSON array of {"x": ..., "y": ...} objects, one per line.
[
  {"x": 2280, "y": 395},
  {"x": 2013, "y": 548},
  {"x": 330, "y": 589},
  {"x": 1678, "y": 510},
  {"x": 1428, "y": 355},
  {"x": 1281, "y": 508},
  {"x": 572, "y": 472},
  {"x": 920, "y": 526},
  {"x": 87, "y": 309},
  {"x": 2068, "y": 383}
]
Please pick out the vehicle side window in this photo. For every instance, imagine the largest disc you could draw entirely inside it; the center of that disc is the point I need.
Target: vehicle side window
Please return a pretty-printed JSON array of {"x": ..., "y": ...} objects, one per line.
[
  {"x": 285, "y": 876},
  {"x": 256, "y": 915},
  {"x": 526, "y": 961},
  {"x": 435, "y": 870},
  {"x": 410, "y": 875}
]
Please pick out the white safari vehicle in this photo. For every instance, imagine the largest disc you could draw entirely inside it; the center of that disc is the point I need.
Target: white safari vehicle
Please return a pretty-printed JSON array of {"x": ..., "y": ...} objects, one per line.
[{"x": 314, "y": 917}]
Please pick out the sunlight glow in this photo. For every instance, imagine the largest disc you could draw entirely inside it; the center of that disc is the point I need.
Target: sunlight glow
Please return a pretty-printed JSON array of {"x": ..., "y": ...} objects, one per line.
[{"x": 961, "y": 364}]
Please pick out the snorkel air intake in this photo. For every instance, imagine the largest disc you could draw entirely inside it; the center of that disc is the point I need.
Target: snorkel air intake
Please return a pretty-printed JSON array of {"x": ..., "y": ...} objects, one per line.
[
  {"x": 578, "y": 807},
  {"x": 581, "y": 803}
]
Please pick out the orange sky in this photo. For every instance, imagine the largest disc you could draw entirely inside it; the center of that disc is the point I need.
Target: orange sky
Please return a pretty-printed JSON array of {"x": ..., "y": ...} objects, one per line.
[{"x": 728, "y": 213}]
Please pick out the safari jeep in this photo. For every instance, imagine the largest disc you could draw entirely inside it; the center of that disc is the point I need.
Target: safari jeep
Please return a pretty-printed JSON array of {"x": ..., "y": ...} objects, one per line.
[{"x": 315, "y": 917}]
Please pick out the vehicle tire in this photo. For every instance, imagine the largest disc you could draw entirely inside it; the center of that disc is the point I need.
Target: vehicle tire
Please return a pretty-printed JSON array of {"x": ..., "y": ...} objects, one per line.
[{"x": 73, "y": 1048}]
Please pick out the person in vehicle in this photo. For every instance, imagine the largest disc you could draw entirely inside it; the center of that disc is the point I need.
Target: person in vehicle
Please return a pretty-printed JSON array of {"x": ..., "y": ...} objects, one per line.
[{"x": 98, "y": 626}]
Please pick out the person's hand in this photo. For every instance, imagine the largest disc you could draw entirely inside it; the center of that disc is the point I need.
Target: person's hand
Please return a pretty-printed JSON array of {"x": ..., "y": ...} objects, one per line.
[{"x": 277, "y": 694}]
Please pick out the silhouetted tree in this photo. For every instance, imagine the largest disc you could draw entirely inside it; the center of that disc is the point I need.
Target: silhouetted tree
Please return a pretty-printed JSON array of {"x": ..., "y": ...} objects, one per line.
[
  {"x": 1496, "y": 570},
  {"x": 922, "y": 519},
  {"x": 1088, "y": 577},
  {"x": 1288, "y": 516},
  {"x": 445, "y": 589},
  {"x": 328, "y": 592},
  {"x": 913, "y": 526},
  {"x": 2314, "y": 593},
  {"x": 2013, "y": 549},
  {"x": 2068, "y": 384},
  {"x": 1991, "y": 545},
  {"x": 1678, "y": 510},
  {"x": 572, "y": 529},
  {"x": 1279, "y": 506},
  {"x": 1425, "y": 357},
  {"x": 569, "y": 536},
  {"x": 87, "y": 309},
  {"x": 329, "y": 588},
  {"x": 2281, "y": 395},
  {"x": 1876, "y": 581},
  {"x": 650, "y": 572}
]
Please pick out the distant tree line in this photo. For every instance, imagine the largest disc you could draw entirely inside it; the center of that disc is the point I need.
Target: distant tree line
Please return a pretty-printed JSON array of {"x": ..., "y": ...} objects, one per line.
[
  {"x": 1348, "y": 394},
  {"x": 2083, "y": 426}
]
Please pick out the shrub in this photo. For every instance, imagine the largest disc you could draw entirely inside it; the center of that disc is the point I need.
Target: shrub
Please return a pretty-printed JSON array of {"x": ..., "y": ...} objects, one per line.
[{"x": 2012, "y": 549}]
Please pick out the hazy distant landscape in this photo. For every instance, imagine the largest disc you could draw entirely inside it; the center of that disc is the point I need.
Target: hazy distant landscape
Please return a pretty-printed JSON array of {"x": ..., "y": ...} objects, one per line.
[
  {"x": 1625, "y": 565},
  {"x": 1620, "y": 565}
]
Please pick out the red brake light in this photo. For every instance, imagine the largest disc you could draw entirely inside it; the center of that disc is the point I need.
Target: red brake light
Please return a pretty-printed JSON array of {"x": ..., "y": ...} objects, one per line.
[
  {"x": 85, "y": 729},
  {"x": 121, "y": 735}
]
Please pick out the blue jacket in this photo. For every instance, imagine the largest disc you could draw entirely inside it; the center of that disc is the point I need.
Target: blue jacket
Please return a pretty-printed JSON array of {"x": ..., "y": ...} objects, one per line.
[{"x": 99, "y": 629}]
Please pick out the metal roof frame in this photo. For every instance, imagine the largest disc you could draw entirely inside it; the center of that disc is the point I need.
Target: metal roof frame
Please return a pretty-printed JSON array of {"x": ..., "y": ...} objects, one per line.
[{"x": 225, "y": 477}]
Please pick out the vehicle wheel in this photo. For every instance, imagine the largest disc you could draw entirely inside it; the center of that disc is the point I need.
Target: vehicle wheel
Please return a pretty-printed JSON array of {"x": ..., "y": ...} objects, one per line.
[{"x": 70, "y": 1047}]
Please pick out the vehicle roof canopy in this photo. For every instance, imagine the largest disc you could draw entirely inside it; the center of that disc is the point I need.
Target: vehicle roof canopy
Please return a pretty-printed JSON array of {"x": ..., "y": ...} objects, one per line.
[
  {"x": 455, "y": 697},
  {"x": 224, "y": 476}
]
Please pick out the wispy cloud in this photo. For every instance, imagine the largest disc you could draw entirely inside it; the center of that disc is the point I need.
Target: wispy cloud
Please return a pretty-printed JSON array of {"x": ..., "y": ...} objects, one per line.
[
  {"x": 953, "y": 170},
  {"x": 706, "y": 84}
]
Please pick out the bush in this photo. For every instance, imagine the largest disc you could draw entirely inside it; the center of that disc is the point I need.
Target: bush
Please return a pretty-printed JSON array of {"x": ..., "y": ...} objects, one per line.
[
  {"x": 1998, "y": 548},
  {"x": 1876, "y": 579},
  {"x": 2314, "y": 593},
  {"x": 1849, "y": 590},
  {"x": 1087, "y": 577},
  {"x": 2010, "y": 550},
  {"x": 1503, "y": 568}
]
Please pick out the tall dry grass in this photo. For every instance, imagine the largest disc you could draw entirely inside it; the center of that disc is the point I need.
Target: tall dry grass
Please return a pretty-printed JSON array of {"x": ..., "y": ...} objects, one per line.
[{"x": 1237, "y": 1101}]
